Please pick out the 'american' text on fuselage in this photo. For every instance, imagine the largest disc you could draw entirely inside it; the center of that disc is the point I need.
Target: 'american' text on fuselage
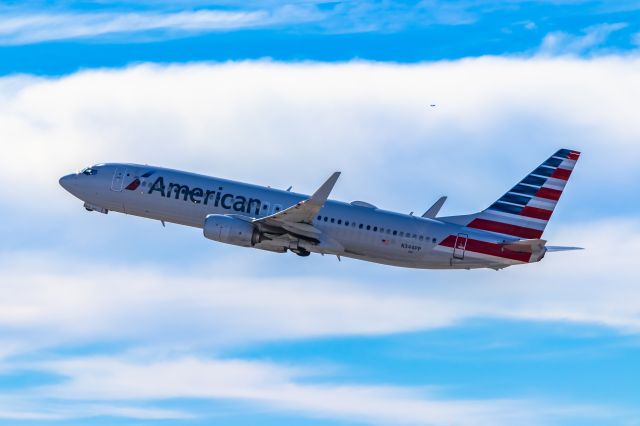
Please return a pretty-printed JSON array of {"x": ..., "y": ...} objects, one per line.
[{"x": 203, "y": 196}]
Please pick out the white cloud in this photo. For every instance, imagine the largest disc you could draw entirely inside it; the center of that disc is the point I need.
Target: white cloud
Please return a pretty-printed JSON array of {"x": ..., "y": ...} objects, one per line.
[
  {"x": 47, "y": 303},
  {"x": 19, "y": 405},
  {"x": 146, "y": 379},
  {"x": 26, "y": 28},
  {"x": 495, "y": 119},
  {"x": 245, "y": 120},
  {"x": 373, "y": 121},
  {"x": 562, "y": 43},
  {"x": 167, "y": 315},
  {"x": 54, "y": 306},
  {"x": 23, "y": 25}
]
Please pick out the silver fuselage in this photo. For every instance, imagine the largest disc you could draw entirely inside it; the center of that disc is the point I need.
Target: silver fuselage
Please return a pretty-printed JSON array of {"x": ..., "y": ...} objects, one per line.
[{"x": 365, "y": 232}]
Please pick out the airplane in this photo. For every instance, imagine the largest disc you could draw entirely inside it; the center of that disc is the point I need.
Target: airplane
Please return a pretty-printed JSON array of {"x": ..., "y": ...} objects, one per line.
[{"x": 506, "y": 233}]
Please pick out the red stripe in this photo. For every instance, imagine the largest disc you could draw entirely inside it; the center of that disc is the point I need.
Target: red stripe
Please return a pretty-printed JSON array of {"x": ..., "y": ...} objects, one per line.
[
  {"x": 536, "y": 213},
  {"x": 133, "y": 185},
  {"x": 549, "y": 194},
  {"x": 561, "y": 174},
  {"x": 483, "y": 247},
  {"x": 573, "y": 155},
  {"x": 505, "y": 228}
]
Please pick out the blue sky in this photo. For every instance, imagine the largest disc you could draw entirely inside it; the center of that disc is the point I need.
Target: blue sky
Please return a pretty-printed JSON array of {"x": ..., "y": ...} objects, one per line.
[
  {"x": 116, "y": 320},
  {"x": 61, "y": 37}
]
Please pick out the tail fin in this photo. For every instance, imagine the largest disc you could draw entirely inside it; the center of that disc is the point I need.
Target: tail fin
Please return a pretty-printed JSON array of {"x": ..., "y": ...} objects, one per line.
[{"x": 525, "y": 210}]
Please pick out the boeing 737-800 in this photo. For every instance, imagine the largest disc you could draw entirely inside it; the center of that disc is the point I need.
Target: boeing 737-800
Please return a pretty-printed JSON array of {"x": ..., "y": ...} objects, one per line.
[{"x": 508, "y": 232}]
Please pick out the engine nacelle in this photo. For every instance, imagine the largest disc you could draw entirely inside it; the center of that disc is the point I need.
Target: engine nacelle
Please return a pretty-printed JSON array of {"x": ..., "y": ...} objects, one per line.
[{"x": 230, "y": 230}]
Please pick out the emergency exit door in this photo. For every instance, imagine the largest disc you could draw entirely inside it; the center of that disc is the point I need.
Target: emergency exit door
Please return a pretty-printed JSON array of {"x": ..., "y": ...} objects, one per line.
[
  {"x": 118, "y": 179},
  {"x": 460, "y": 246}
]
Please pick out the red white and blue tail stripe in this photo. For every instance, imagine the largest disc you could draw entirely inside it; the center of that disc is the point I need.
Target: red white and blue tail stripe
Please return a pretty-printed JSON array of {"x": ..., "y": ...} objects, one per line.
[{"x": 525, "y": 210}]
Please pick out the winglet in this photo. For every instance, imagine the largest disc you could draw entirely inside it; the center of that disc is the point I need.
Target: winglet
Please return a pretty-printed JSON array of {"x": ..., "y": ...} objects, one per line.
[
  {"x": 435, "y": 208},
  {"x": 320, "y": 196}
]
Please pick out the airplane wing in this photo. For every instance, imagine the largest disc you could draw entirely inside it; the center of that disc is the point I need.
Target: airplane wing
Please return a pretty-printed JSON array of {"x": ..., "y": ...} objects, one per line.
[{"x": 298, "y": 218}]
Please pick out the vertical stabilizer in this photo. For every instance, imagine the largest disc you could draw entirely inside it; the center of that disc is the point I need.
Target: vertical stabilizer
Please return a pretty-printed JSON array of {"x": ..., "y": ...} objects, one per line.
[{"x": 524, "y": 211}]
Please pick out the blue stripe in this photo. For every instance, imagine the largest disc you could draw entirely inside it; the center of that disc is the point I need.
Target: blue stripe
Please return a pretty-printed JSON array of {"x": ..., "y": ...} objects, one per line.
[
  {"x": 524, "y": 189},
  {"x": 516, "y": 199},
  {"x": 534, "y": 180},
  {"x": 507, "y": 208},
  {"x": 552, "y": 162},
  {"x": 564, "y": 153},
  {"x": 543, "y": 171}
]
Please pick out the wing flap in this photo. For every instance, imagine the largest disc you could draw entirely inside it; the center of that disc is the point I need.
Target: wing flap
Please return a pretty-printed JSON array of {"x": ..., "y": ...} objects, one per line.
[{"x": 302, "y": 229}]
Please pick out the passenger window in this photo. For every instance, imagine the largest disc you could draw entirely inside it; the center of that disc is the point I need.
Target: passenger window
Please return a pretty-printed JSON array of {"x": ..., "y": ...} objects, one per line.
[
  {"x": 333, "y": 220},
  {"x": 339, "y": 221},
  {"x": 325, "y": 218},
  {"x": 368, "y": 227},
  {"x": 414, "y": 236},
  {"x": 395, "y": 232},
  {"x": 360, "y": 226},
  {"x": 346, "y": 223},
  {"x": 375, "y": 229},
  {"x": 433, "y": 241},
  {"x": 421, "y": 237},
  {"x": 319, "y": 217}
]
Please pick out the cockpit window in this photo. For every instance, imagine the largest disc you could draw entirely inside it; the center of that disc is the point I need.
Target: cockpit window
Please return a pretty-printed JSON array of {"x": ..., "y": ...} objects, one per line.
[{"x": 89, "y": 171}]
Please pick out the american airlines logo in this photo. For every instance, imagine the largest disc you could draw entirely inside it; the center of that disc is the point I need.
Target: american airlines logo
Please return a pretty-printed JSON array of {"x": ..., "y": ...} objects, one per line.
[
  {"x": 198, "y": 195},
  {"x": 136, "y": 182}
]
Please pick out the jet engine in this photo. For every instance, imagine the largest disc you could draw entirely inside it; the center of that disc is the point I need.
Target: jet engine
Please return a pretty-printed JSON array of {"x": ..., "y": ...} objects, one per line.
[{"x": 230, "y": 230}]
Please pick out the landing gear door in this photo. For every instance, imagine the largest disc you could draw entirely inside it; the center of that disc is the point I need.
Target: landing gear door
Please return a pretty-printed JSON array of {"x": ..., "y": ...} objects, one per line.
[
  {"x": 118, "y": 179},
  {"x": 460, "y": 246}
]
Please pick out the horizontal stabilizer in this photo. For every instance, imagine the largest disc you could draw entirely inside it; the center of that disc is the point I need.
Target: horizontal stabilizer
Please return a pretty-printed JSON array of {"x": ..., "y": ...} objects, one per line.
[
  {"x": 525, "y": 246},
  {"x": 435, "y": 208},
  {"x": 560, "y": 248}
]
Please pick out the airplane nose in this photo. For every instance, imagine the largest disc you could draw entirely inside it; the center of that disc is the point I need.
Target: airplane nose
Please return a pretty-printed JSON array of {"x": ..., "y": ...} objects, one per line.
[{"x": 66, "y": 181}]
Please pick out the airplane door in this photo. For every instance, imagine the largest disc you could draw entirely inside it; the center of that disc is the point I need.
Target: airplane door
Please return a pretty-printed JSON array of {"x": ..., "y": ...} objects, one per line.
[
  {"x": 118, "y": 179},
  {"x": 460, "y": 246}
]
